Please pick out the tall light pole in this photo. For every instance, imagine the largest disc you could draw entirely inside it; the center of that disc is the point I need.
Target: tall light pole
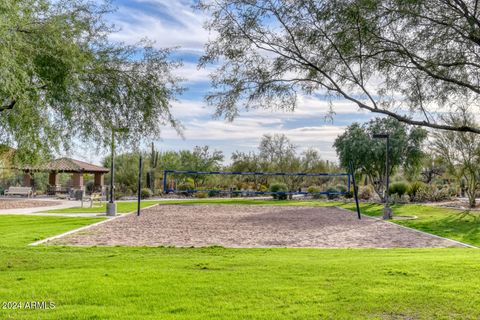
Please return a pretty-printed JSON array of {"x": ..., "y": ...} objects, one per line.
[
  {"x": 387, "y": 211},
  {"x": 111, "y": 205}
]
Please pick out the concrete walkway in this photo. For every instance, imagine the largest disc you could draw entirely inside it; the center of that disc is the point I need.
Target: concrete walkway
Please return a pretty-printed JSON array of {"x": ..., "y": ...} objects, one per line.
[{"x": 36, "y": 210}]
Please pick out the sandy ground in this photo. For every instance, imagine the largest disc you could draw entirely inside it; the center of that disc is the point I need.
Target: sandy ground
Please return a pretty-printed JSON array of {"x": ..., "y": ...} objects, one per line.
[
  {"x": 25, "y": 203},
  {"x": 251, "y": 226}
]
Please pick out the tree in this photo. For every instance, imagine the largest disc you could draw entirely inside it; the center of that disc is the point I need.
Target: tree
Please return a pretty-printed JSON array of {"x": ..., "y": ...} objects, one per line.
[
  {"x": 277, "y": 150},
  {"x": 62, "y": 79},
  {"x": 126, "y": 172},
  {"x": 410, "y": 60},
  {"x": 461, "y": 152},
  {"x": 200, "y": 159},
  {"x": 249, "y": 162},
  {"x": 367, "y": 154},
  {"x": 153, "y": 162}
]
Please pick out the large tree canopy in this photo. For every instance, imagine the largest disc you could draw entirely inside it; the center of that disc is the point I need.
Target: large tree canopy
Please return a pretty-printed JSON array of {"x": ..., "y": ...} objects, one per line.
[
  {"x": 367, "y": 154},
  {"x": 62, "y": 79},
  {"x": 405, "y": 59}
]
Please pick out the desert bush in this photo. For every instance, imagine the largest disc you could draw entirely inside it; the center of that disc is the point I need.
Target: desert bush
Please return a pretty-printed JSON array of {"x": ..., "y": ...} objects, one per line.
[
  {"x": 188, "y": 184},
  {"x": 365, "y": 192},
  {"x": 279, "y": 187},
  {"x": 201, "y": 195},
  {"x": 332, "y": 196},
  {"x": 213, "y": 193},
  {"x": 146, "y": 193},
  {"x": 399, "y": 188},
  {"x": 313, "y": 189},
  {"x": 263, "y": 188},
  {"x": 413, "y": 189},
  {"x": 428, "y": 192}
]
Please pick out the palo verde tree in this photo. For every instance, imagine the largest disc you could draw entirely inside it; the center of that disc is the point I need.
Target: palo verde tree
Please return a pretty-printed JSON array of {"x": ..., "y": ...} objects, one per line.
[
  {"x": 367, "y": 154},
  {"x": 405, "y": 59},
  {"x": 461, "y": 153},
  {"x": 62, "y": 79}
]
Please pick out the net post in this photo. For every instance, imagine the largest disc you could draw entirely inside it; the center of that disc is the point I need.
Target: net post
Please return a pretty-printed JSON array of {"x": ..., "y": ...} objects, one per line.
[
  {"x": 355, "y": 193},
  {"x": 139, "y": 189},
  {"x": 164, "y": 181}
]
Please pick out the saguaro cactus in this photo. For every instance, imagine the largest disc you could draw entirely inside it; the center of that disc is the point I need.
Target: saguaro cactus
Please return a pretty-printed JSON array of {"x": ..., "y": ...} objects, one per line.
[{"x": 153, "y": 165}]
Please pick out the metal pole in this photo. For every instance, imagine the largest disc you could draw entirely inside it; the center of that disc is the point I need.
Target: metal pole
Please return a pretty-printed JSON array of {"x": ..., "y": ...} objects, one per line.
[
  {"x": 355, "y": 191},
  {"x": 139, "y": 189},
  {"x": 387, "y": 212},
  {"x": 387, "y": 173},
  {"x": 112, "y": 167},
  {"x": 111, "y": 205},
  {"x": 164, "y": 181}
]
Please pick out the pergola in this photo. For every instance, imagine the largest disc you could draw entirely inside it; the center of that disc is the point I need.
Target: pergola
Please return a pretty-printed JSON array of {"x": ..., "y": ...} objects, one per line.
[{"x": 66, "y": 165}]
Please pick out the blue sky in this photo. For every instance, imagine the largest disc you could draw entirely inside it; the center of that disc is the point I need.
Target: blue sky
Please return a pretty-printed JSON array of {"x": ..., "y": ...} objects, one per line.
[{"x": 174, "y": 23}]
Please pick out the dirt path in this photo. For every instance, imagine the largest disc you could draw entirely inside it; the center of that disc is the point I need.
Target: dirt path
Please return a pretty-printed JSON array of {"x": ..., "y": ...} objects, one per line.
[
  {"x": 25, "y": 203},
  {"x": 252, "y": 226}
]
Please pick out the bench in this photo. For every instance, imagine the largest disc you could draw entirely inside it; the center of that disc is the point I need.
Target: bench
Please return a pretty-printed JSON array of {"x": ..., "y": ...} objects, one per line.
[
  {"x": 21, "y": 191},
  {"x": 94, "y": 197}
]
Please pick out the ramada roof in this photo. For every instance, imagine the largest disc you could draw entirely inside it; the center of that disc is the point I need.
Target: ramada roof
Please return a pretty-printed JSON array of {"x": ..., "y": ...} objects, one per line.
[{"x": 68, "y": 165}]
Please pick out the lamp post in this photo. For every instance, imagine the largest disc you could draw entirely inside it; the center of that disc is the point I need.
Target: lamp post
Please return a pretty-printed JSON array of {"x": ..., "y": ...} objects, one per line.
[
  {"x": 111, "y": 205},
  {"x": 387, "y": 211}
]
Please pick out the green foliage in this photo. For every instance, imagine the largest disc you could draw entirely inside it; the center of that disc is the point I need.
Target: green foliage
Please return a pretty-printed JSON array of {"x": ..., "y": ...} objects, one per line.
[
  {"x": 461, "y": 153},
  {"x": 146, "y": 193},
  {"x": 399, "y": 188},
  {"x": 213, "y": 193},
  {"x": 315, "y": 189},
  {"x": 413, "y": 189},
  {"x": 201, "y": 195},
  {"x": 279, "y": 187},
  {"x": 388, "y": 59},
  {"x": 187, "y": 184},
  {"x": 430, "y": 192},
  {"x": 332, "y": 195},
  {"x": 367, "y": 154},
  {"x": 62, "y": 78},
  {"x": 126, "y": 172}
]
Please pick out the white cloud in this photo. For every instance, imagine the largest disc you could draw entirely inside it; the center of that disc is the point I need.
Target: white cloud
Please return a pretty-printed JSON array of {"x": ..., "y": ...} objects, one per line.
[
  {"x": 192, "y": 74},
  {"x": 177, "y": 25}
]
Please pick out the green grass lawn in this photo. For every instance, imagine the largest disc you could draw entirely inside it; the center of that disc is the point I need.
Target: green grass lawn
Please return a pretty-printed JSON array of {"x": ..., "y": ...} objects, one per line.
[
  {"x": 20, "y": 230},
  {"x": 219, "y": 283}
]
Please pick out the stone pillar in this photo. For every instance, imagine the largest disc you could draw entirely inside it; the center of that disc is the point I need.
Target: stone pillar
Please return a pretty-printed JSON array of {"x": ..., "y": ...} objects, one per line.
[
  {"x": 27, "y": 180},
  {"x": 77, "y": 180},
  {"x": 98, "y": 182}
]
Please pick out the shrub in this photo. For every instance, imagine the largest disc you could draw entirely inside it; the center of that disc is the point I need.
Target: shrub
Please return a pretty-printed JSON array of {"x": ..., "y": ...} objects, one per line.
[
  {"x": 332, "y": 196},
  {"x": 279, "y": 187},
  {"x": 145, "y": 193},
  {"x": 201, "y": 195},
  {"x": 186, "y": 185},
  {"x": 89, "y": 187},
  {"x": 429, "y": 192},
  {"x": 398, "y": 188},
  {"x": 314, "y": 189},
  {"x": 413, "y": 189},
  {"x": 213, "y": 193},
  {"x": 365, "y": 192},
  {"x": 263, "y": 188}
]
